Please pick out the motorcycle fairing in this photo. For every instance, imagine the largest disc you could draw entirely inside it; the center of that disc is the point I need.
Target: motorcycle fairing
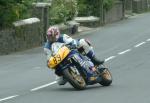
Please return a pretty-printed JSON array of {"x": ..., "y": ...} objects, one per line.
[{"x": 58, "y": 57}]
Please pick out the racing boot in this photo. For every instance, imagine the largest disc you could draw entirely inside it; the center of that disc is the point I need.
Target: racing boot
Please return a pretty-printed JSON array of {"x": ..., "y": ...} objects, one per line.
[
  {"x": 96, "y": 61},
  {"x": 93, "y": 58}
]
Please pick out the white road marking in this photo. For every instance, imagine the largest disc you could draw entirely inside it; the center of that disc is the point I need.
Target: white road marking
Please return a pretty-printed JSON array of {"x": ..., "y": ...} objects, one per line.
[
  {"x": 10, "y": 97},
  {"x": 124, "y": 51},
  {"x": 112, "y": 57},
  {"x": 43, "y": 86},
  {"x": 148, "y": 40},
  {"x": 139, "y": 44}
]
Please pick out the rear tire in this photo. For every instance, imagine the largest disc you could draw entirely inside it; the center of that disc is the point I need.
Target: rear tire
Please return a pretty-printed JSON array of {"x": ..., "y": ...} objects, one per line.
[
  {"x": 74, "y": 78},
  {"x": 106, "y": 78}
]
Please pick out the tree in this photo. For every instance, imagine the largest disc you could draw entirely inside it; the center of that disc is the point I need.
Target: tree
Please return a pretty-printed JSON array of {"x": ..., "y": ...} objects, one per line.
[
  {"x": 12, "y": 10},
  {"x": 62, "y": 10},
  {"x": 92, "y": 7}
]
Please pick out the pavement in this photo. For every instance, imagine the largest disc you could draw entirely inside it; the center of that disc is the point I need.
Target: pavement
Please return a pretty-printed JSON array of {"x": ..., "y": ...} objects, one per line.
[{"x": 83, "y": 29}]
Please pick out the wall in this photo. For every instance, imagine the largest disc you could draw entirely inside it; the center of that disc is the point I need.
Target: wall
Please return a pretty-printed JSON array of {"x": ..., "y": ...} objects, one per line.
[
  {"x": 140, "y": 6},
  {"x": 41, "y": 11},
  {"x": 24, "y": 35},
  {"x": 115, "y": 14},
  {"x": 128, "y": 6}
]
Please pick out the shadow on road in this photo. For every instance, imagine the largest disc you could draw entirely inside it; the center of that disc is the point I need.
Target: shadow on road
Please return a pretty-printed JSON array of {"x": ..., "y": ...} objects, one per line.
[{"x": 70, "y": 88}]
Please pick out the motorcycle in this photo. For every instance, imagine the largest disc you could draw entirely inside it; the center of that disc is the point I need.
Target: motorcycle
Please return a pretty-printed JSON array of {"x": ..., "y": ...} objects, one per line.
[{"x": 69, "y": 63}]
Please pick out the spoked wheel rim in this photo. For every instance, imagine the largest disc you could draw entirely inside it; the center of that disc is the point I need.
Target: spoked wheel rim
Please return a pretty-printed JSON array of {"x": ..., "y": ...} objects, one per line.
[
  {"x": 77, "y": 77},
  {"x": 106, "y": 75}
]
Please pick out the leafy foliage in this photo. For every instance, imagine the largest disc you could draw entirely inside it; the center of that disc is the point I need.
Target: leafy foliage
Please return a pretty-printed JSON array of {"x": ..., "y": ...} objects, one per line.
[
  {"x": 108, "y": 4},
  {"x": 91, "y": 7},
  {"x": 12, "y": 10},
  {"x": 62, "y": 10},
  {"x": 82, "y": 7}
]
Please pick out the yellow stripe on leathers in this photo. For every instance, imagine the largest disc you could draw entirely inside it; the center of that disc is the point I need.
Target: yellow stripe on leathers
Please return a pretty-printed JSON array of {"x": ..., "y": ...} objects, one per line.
[{"x": 60, "y": 56}]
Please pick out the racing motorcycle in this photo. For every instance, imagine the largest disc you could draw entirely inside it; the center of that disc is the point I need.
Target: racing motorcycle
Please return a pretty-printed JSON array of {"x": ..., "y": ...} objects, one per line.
[{"x": 69, "y": 63}]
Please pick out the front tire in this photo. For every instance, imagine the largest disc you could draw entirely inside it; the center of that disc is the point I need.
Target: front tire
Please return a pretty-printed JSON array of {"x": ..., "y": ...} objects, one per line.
[
  {"x": 74, "y": 78},
  {"x": 106, "y": 78}
]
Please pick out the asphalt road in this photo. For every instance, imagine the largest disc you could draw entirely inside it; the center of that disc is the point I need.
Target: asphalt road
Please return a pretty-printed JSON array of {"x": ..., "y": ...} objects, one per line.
[{"x": 125, "y": 45}]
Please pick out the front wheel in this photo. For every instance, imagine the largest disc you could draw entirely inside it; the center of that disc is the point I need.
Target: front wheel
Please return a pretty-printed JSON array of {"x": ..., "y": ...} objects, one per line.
[
  {"x": 74, "y": 78},
  {"x": 106, "y": 78}
]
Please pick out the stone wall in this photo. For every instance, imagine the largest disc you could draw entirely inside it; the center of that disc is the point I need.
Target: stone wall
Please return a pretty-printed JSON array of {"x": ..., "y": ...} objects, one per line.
[
  {"x": 90, "y": 21},
  {"x": 24, "y": 35},
  {"x": 115, "y": 14},
  {"x": 7, "y": 41},
  {"x": 140, "y": 6},
  {"x": 41, "y": 11},
  {"x": 128, "y": 6}
]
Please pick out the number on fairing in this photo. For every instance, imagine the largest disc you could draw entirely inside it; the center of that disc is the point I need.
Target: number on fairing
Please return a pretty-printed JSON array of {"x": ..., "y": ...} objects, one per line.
[{"x": 57, "y": 59}]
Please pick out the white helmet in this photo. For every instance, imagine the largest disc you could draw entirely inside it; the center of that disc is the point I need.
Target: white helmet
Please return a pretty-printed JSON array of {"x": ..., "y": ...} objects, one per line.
[{"x": 53, "y": 34}]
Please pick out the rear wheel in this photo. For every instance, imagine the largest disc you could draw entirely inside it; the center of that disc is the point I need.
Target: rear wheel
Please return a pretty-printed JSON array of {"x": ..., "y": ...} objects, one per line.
[
  {"x": 106, "y": 78},
  {"x": 75, "y": 78}
]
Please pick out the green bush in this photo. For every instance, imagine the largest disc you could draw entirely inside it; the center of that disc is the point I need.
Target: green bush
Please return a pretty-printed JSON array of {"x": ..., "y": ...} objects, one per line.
[
  {"x": 108, "y": 4},
  {"x": 12, "y": 10},
  {"x": 82, "y": 8},
  {"x": 62, "y": 10},
  {"x": 92, "y": 7}
]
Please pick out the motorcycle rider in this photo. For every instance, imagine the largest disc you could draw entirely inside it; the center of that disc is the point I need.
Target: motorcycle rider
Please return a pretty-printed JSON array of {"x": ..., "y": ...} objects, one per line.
[{"x": 83, "y": 45}]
